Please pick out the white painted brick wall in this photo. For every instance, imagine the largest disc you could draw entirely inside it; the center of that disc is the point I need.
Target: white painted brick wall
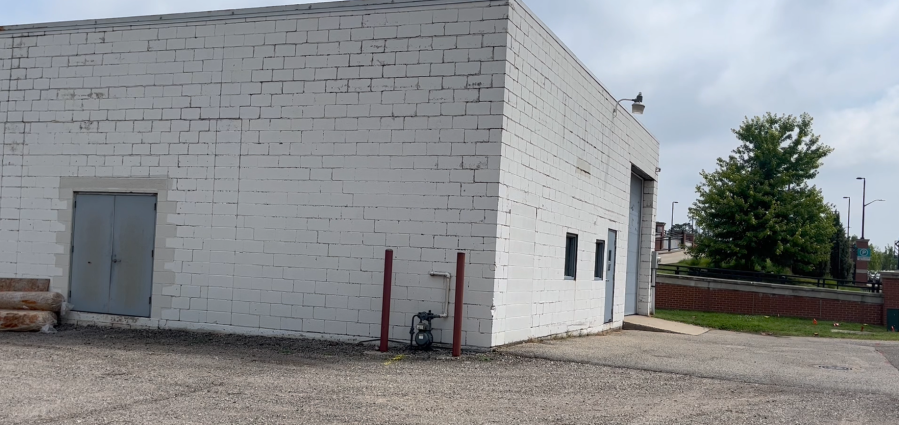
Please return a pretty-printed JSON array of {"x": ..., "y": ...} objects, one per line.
[
  {"x": 556, "y": 117},
  {"x": 295, "y": 147}
]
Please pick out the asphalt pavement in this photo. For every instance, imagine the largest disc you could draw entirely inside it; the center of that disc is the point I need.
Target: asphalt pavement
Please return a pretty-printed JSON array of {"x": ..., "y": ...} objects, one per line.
[
  {"x": 813, "y": 363},
  {"x": 115, "y": 376}
]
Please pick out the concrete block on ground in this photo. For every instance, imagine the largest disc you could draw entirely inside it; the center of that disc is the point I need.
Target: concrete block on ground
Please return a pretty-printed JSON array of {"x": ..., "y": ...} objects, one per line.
[
  {"x": 25, "y": 321},
  {"x": 24, "y": 285},
  {"x": 38, "y": 301}
]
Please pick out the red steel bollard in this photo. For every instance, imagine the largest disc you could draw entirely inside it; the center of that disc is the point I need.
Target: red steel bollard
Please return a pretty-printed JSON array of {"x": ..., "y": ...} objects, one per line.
[
  {"x": 385, "y": 302},
  {"x": 457, "y": 319}
]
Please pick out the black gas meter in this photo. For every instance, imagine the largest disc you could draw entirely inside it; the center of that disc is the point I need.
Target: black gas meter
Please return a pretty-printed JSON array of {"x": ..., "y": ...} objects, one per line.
[{"x": 420, "y": 335}]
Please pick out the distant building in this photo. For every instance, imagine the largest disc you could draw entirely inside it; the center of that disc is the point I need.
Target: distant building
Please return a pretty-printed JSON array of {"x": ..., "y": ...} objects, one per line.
[
  {"x": 245, "y": 171},
  {"x": 666, "y": 241},
  {"x": 661, "y": 235}
]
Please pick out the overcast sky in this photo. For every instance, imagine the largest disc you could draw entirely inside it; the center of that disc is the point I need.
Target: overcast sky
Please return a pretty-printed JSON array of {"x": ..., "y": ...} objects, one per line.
[{"x": 702, "y": 66}]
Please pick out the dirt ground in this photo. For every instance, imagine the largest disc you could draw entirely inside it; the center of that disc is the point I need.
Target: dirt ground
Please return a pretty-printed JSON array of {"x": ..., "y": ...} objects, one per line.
[{"x": 113, "y": 376}]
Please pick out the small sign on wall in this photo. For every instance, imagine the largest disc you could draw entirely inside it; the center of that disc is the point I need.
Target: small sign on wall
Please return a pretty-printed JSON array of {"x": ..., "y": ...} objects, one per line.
[{"x": 864, "y": 254}]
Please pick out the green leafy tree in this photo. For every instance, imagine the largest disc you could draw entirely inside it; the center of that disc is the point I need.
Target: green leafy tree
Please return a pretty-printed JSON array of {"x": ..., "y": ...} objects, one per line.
[
  {"x": 882, "y": 259},
  {"x": 876, "y": 263},
  {"x": 757, "y": 210},
  {"x": 840, "y": 251}
]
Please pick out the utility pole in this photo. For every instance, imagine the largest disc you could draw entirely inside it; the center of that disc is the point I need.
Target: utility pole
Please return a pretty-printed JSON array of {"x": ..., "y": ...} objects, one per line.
[
  {"x": 848, "y": 216},
  {"x": 670, "y": 237},
  {"x": 864, "y": 205}
]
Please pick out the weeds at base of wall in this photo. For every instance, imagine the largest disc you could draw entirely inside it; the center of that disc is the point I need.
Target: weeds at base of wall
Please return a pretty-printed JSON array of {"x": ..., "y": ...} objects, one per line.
[{"x": 565, "y": 336}]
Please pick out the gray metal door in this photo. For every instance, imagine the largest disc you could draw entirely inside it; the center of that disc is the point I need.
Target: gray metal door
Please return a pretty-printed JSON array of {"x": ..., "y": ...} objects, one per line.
[
  {"x": 133, "y": 237},
  {"x": 611, "y": 246},
  {"x": 633, "y": 244},
  {"x": 112, "y": 254},
  {"x": 92, "y": 253}
]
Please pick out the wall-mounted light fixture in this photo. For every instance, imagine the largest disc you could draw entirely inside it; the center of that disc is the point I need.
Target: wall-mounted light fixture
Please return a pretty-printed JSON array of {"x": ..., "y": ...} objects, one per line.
[{"x": 636, "y": 108}]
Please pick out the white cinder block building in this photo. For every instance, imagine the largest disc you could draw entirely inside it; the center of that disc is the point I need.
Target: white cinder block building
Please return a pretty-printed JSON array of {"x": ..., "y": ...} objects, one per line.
[{"x": 246, "y": 170}]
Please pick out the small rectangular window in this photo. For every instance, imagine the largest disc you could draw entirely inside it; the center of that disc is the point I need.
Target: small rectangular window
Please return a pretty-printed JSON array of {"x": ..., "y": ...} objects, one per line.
[
  {"x": 600, "y": 252},
  {"x": 571, "y": 256}
]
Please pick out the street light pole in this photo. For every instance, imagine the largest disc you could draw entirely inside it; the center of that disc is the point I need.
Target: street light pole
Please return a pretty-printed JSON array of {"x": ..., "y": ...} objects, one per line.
[
  {"x": 848, "y": 216},
  {"x": 864, "y": 205},
  {"x": 672, "y": 213},
  {"x": 670, "y": 237},
  {"x": 863, "y": 214}
]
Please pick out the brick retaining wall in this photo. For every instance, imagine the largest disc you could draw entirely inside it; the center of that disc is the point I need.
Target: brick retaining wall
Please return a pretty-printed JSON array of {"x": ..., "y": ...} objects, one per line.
[
  {"x": 724, "y": 296},
  {"x": 890, "y": 292}
]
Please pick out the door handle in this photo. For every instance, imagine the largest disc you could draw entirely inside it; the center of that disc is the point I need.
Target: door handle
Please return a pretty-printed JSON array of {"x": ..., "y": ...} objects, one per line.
[{"x": 115, "y": 260}]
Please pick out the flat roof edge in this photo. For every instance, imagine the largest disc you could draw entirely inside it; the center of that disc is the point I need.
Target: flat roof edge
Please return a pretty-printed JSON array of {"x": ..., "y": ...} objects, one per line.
[
  {"x": 580, "y": 63},
  {"x": 258, "y": 12}
]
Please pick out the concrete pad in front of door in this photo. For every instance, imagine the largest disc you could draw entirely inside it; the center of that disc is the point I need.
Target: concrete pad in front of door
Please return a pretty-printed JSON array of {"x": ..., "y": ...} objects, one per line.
[{"x": 652, "y": 324}]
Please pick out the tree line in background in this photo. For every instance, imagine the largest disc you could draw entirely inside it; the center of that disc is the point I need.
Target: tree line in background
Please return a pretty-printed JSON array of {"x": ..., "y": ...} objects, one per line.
[
  {"x": 840, "y": 264},
  {"x": 883, "y": 259},
  {"x": 680, "y": 229}
]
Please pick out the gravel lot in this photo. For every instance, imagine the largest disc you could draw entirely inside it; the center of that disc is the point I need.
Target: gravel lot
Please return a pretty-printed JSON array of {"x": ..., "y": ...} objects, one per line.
[{"x": 100, "y": 376}]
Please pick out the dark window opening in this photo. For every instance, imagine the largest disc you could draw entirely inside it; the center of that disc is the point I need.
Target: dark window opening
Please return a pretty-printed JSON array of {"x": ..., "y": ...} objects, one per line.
[
  {"x": 600, "y": 252},
  {"x": 571, "y": 256}
]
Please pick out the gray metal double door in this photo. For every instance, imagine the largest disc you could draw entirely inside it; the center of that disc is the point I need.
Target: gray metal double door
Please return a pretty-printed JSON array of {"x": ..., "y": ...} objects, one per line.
[{"x": 112, "y": 254}]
